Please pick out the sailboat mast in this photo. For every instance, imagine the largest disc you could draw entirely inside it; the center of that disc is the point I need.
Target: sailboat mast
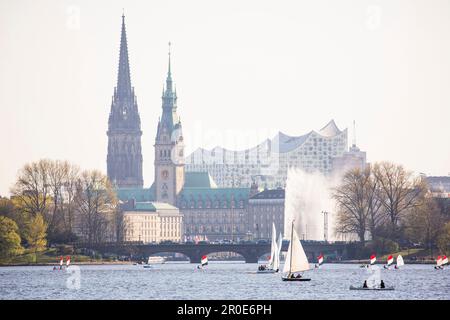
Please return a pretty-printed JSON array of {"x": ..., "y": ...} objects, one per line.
[{"x": 292, "y": 236}]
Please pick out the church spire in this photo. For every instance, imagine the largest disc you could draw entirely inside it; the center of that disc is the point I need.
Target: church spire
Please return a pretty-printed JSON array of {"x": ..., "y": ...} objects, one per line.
[
  {"x": 169, "y": 77},
  {"x": 124, "y": 159},
  {"x": 124, "y": 90}
]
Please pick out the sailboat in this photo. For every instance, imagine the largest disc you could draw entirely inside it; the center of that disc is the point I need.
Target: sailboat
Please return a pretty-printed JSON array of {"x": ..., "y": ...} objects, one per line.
[
  {"x": 67, "y": 261},
  {"x": 319, "y": 261},
  {"x": 444, "y": 260},
  {"x": 148, "y": 265},
  {"x": 390, "y": 260},
  {"x": 400, "y": 262},
  {"x": 274, "y": 260},
  {"x": 296, "y": 260},
  {"x": 438, "y": 263},
  {"x": 203, "y": 262}
]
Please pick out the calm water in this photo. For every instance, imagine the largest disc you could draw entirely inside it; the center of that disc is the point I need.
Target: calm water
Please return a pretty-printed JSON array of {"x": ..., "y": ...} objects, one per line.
[{"x": 220, "y": 280}]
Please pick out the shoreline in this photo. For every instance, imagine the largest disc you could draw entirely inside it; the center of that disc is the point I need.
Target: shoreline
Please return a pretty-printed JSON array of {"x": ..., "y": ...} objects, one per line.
[{"x": 87, "y": 263}]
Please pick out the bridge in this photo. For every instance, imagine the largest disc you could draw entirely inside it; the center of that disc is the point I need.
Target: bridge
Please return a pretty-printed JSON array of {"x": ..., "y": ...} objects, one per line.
[{"x": 250, "y": 251}]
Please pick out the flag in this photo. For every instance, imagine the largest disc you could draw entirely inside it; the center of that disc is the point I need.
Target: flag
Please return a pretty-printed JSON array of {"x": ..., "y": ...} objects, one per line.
[
  {"x": 373, "y": 258},
  {"x": 204, "y": 260}
]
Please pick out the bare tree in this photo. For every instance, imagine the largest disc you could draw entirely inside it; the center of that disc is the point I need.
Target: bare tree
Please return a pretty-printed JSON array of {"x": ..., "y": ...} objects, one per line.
[
  {"x": 398, "y": 191},
  {"x": 96, "y": 203},
  {"x": 70, "y": 188},
  {"x": 352, "y": 203},
  {"x": 31, "y": 189}
]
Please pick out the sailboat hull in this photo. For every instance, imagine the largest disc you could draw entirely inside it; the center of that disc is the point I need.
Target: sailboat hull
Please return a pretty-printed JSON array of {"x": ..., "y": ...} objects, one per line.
[
  {"x": 267, "y": 271},
  {"x": 361, "y": 288},
  {"x": 296, "y": 279}
]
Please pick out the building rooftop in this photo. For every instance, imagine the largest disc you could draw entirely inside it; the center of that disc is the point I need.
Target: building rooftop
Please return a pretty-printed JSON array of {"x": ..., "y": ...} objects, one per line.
[
  {"x": 270, "y": 194},
  {"x": 152, "y": 206},
  {"x": 198, "y": 180},
  {"x": 281, "y": 143}
]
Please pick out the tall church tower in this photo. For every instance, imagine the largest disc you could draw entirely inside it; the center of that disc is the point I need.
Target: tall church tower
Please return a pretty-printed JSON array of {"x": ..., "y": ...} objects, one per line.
[
  {"x": 169, "y": 148},
  {"x": 124, "y": 158}
]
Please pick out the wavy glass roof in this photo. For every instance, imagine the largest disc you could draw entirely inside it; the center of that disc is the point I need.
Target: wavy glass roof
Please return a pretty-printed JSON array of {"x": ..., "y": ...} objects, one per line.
[{"x": 282, "y": 142}]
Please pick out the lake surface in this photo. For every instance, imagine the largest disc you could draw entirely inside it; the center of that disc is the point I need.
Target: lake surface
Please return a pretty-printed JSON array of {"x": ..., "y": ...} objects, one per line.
[{"x": 219, "y": 280}]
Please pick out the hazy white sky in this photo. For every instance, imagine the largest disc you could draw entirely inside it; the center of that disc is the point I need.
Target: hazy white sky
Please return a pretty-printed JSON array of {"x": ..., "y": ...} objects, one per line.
[{"x": 243, "y": 70}]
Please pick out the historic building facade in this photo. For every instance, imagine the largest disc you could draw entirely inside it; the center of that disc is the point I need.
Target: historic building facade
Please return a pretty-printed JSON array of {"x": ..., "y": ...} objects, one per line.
[
  {"x": 264, "y": 209},
  {"x": 152, "y": 222},
  {"x": 124, "y": 159}
]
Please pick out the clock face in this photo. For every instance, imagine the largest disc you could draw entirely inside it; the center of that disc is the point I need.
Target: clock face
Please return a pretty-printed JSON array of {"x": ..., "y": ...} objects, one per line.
[{"x": 165, "y": 174}]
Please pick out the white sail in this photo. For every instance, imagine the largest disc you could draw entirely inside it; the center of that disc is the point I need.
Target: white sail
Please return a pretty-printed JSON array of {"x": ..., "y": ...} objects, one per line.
[
  {"x": 279, "y": 244},
  {"x": 400, "y": 261},
  {"x": 273, "y": 247},
  {"x": 296, "y": 260},
  {"x": 276, "y": 261}
]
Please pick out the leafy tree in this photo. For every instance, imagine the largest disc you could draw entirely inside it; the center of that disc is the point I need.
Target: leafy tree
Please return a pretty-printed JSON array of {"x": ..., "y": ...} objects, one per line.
[
  {"x": 36, "y": 234},
  {"x": 424, "y": 223},
  {"x": 9, "y": 238}
]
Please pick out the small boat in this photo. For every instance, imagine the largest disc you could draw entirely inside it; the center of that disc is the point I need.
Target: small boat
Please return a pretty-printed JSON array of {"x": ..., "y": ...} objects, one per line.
[
  {"x": 390, "y": 260},
  {"x": 296, "y": 260},
  {"x": 319, "y": 261},
  {"x": 373, "y": 258},
  {"x": 376, "y": 288},
  {"x": 273, "y": 265},
  {"x": 441, "y": 262},
  {"x": 400, "y": 262},
  {"x": 156, "y": 260},
  {"x": 203, "y": 262}
]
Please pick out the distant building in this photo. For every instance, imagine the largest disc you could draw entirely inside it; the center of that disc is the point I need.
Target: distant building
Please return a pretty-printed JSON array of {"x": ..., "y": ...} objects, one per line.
[
  {"x": 440, "y": 190},
  {"x": 152, "y": 222},
  {"x": 264, "y": 209},
  {"x": 352, "y": 159},
  {"x": 439, "y": 184},
  {"x": 267, "y": 163}
]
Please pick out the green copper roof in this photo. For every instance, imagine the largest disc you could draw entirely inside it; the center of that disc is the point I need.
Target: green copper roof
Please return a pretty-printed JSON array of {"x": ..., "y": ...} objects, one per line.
[
  {"x": 198, "y": 180},
  {"x": 217, "y": 197},
  {"x": 139, "y": 194},
  {"x": 152, "y": 206}
]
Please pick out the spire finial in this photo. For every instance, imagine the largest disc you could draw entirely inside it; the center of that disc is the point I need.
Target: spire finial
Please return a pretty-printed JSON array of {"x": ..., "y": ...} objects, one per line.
[
  {"x": 169, "y": 57},
  {"x": 123, "y": 79}
]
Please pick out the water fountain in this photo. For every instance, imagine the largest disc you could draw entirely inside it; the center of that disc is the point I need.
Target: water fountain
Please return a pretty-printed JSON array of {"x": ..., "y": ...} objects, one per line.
[{"x": 308, "y": 195}]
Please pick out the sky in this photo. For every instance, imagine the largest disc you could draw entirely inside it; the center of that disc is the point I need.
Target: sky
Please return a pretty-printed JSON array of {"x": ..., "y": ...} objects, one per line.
[{"x": 244, "y": 70}]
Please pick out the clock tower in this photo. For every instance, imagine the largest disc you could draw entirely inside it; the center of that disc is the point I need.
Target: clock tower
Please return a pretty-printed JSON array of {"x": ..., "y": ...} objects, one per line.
[{"x": 169, "y": 148}]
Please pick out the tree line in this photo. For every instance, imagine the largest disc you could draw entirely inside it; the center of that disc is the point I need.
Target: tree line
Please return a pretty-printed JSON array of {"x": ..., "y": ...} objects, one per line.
[
  {"x": 387, "y": 207},
  {"x": 54, "y": 202}
]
